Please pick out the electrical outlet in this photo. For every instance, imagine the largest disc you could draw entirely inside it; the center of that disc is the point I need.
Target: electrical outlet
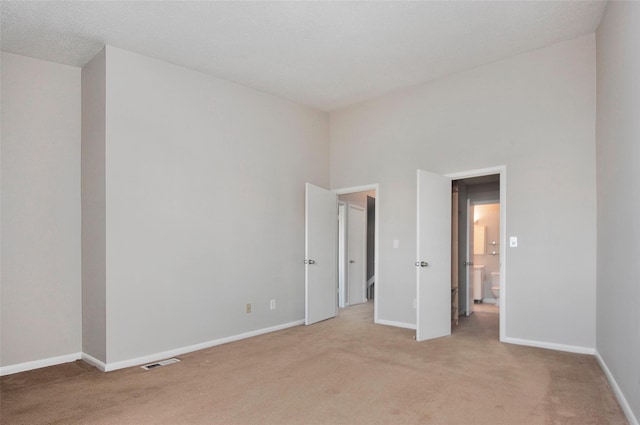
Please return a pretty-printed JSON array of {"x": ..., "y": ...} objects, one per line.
[
  {"x": 272, "y": 305},
  {"x": 248, "y": 308}
]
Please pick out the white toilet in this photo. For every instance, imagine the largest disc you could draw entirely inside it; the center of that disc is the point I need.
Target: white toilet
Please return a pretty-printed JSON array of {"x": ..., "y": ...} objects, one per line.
[{"x": 495, "y": 286}]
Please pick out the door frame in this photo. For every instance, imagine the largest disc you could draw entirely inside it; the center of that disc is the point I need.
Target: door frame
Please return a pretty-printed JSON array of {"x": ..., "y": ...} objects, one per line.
[
  {"x": 376, "y": 247},
  {"x": 502, "y": 171}
]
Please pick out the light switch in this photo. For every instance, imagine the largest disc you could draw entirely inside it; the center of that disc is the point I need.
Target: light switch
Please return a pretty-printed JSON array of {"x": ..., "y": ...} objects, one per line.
[
  {"x": 513, "y": 241},
  {"x": 396, "y": 243}
]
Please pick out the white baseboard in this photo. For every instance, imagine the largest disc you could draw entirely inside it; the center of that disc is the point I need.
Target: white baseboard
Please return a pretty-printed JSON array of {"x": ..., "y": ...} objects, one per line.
[
  {"x": 107, "y": 367},
  {"x": 37, "y": 364},
  {"x": 396, "y": 324},
  {"x": 94, "y": 362},
  {"x": 626, "y": 408},
  {"x": 550, "y": 346},
  {"x": 188, "y": 349}
]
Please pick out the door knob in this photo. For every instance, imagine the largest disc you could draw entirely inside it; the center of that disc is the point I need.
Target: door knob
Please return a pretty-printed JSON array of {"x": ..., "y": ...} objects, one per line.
[
  {"x": 421, "y": 264},
  {"x": 309, "y": 261},
  {"x": 352, "y": 261}
]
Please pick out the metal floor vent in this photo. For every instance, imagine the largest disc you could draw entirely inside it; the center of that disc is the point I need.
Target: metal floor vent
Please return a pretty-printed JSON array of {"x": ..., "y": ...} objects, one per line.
[{"x": 158, "y": 364}]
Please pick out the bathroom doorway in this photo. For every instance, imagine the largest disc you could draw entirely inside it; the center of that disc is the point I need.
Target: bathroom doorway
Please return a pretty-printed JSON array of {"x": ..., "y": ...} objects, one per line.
[
  {"x": 357, "y": 253},
  {"x": 476, "y": 247}
]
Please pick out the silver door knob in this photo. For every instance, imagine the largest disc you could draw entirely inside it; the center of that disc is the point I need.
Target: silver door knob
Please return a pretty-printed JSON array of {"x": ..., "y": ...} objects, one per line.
[
  {"x": 421, "y": 264},
  {"x": 309, "y": 261}
]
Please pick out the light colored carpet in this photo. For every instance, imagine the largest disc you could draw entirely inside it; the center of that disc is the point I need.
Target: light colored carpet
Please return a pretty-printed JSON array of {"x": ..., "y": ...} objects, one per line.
[{"x": 341, "y": 371}]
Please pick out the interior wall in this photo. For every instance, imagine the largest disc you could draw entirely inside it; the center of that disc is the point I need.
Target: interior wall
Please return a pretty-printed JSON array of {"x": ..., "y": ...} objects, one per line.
[
  {"x": 618, "y": 155},
  {"x": 94, "y": 302},
  {"x": 488, "y": 215},
  {"x": 203, "y": 179},
  {"x": 40, "y": 291},
  {"x": 357, "y": 198},
  {"x": 484, "y": 192},
  {"x": 534, "y": 113}
]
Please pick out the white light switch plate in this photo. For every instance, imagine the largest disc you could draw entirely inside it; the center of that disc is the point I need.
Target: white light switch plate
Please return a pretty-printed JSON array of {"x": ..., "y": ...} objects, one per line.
[
  {"x": 513, "y": 241},
  {"x": 396, "y": 243}
]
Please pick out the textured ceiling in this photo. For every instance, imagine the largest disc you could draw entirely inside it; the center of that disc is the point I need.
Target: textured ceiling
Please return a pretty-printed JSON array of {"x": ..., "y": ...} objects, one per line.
[{"x": 324, "y": 54}]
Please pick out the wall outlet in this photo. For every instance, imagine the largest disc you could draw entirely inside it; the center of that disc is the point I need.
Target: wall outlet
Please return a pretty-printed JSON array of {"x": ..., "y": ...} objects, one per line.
[
  {"x": 248, "y": 308},
  {"x": 272, "y": 305}
]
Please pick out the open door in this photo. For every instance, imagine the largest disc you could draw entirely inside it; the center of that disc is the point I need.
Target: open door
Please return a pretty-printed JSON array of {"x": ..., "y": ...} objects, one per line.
[
  {"x": 465, "y": 299},
  {"x": 433, "y": 259},
  {"x": 321, "y": 254},
  {"x": 357, "y": 255}
]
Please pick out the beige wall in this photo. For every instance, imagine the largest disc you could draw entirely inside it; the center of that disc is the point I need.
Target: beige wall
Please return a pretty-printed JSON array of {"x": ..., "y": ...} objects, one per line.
[
  {"x": 533, "y": 113},
  {"x": 198, "y": 168},
  {"x": 204, "y": 206},
  {"x": 94, "y": 302},
  {"x": 41, "y": 315},
  {"x": 618, "y": 159},
  {"x": 357, "y": 198},
  {"x": 488, "y": 215}
]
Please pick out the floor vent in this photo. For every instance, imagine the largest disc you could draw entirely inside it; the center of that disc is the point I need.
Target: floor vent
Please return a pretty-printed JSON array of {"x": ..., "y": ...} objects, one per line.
[{"x": 159, "y": 364}]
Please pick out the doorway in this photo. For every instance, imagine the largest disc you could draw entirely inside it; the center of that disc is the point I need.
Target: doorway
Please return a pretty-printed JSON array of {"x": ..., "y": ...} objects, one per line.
[
  {"x": 477, "y": 241},
  {"x": 357, "y": 246},
  {"x": 480, "y": 243}
]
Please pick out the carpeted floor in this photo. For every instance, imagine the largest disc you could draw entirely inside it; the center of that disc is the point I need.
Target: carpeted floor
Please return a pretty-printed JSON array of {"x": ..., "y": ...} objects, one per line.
[{"x": 341, "y": 371}]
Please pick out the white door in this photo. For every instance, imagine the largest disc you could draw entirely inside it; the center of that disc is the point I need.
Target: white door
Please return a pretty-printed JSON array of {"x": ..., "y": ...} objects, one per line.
[
  {"x": 342, "y": 256},
  {"x": 321, "y": 245},
  {"x": 466, "y": 290},
  {"x": 357, "y": 254},
  {"x": 433, "y": 259}
]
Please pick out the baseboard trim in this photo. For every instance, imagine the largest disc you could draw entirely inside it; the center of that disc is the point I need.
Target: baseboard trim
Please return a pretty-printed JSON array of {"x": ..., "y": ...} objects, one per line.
[
  {"x": 37, "y": 364},
  {"x": 396, "y": 324},
  {"x": 626, "y": 408},
  {"x": 94, "y": 362},
  {"x": 108, "y": 367},
  {"x": 551, "y": 346}
]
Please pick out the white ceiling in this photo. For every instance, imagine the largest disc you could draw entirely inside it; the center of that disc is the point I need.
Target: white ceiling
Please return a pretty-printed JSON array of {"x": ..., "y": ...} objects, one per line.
[{"x": 324, "y": 54}]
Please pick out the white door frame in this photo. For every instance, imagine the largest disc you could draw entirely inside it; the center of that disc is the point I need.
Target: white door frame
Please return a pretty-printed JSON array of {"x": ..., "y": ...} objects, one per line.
[
  {"x": 376, "y": 249},
  {"x": 502, "y": 171}
]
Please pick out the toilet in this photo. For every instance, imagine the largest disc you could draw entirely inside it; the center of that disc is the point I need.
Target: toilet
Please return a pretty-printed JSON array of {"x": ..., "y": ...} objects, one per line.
[{"x": 495, "y": 286}]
